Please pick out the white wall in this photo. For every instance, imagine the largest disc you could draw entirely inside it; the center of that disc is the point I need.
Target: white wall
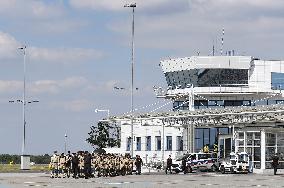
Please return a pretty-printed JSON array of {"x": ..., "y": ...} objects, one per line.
[{"x": 153, "y": 131}]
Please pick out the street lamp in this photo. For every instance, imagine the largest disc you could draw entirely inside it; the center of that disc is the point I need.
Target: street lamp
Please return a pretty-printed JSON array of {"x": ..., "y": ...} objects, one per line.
[
  {"x": 100, "y": 110},
  {"x": 25, "y": 159},
  {"x": 133, "y": 6}
]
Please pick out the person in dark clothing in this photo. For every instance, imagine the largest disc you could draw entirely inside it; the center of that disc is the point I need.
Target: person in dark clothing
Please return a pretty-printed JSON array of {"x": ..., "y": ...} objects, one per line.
[
  {"x": 275, "y": 163},
  {"x": 68, "y": 163},
  {"x": 169, "y": 165},
  {"x": 87, "y": 165},
  {"x": 138, "y": 164},
  {"x": 75, "y": 167},
  {"x": 184, "y": 168}
]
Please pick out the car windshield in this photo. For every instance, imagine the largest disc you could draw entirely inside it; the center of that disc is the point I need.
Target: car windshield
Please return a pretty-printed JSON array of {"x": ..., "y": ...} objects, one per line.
[{"x": 243, "y": 158}]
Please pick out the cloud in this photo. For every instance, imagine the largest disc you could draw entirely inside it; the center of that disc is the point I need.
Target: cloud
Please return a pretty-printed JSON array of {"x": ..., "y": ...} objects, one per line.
[
  {"x": 44, "y": 86},
  {"x": 40, "y": 17},
  {"x": 77, "y": 105},
  {"x": 31, "y": 9},
  {"x": 10, "y": 86},
  {"x": 57, "y": 86},
  {"x": 247, "y": 24},
  {"x": 9, "y": 46},
  {"x": 63, "y": 55}
]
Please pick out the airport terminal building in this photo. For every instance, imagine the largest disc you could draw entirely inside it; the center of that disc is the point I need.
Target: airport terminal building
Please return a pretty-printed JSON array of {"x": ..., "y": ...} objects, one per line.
[{"x": 233, "y": 101}]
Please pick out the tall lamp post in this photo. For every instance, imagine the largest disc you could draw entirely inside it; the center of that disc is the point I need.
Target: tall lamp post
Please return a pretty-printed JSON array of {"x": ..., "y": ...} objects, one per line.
[
  {"x": 25, "y": 159},
  {"x": 133, "y": 6}
]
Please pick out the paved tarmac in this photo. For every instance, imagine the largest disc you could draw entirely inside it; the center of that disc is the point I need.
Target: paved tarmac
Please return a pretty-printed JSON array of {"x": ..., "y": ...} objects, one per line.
[{"x": 159, "y": 180}]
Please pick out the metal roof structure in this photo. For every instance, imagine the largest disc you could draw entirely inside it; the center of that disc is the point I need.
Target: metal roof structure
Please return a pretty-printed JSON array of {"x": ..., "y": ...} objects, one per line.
[{"x": 242, "y": 116}]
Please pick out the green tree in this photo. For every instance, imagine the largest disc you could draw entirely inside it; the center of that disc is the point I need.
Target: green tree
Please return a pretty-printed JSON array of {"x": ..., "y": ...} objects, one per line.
[{"x": 104, "y": 134}]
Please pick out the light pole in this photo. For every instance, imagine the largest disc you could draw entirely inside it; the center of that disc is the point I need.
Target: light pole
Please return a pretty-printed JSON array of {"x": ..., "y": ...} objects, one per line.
[
  {"x": 23, "y": 48},
  {"x": 132, "y": 5},
  {"x": 100, "y": 110},
  {"x": 25, "y": 159}
]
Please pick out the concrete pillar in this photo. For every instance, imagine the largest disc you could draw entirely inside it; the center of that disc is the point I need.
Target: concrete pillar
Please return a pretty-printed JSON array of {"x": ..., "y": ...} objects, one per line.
[
  {"x": 245, "y": 141},
  {"x": 25, "y": 162},
  {"x": 262, "y": 149},
  {"x": 193, "y": 139},
  {"x": 188, "y": 138}
]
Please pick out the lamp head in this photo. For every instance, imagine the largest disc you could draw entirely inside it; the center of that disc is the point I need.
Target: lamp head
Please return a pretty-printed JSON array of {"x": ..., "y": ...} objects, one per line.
[
  {"x": 22, "y": 47},
  {"x": 133, "y": 5}
]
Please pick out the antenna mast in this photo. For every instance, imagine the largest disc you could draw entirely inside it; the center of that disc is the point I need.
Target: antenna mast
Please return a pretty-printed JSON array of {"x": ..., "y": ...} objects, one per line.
[
  {"x": 213, "y": 48},
  {"x": 222, "y": 44}
]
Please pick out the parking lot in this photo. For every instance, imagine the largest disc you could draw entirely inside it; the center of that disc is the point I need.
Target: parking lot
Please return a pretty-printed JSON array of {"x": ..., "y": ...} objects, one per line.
[{"x": 200, "y": 179}]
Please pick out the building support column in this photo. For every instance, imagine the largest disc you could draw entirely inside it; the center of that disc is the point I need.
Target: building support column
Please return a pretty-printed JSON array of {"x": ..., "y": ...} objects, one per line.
[
  {"x": 193, "y": 139},
  {"x": 245, "y": 141},
  {"x": 188, "y": 146},
  {"x": 262, "y": 149}
]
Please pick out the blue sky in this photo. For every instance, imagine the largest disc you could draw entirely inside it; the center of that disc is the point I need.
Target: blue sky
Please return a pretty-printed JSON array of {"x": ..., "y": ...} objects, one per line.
[{"x": 78, "y": 50}]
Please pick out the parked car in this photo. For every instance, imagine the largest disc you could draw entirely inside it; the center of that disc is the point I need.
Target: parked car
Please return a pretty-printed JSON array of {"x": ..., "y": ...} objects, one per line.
[
  {"x": 238, "y": 163},
  {"x": 201, "y": 161},
  {"x": 196, "y": 161}
]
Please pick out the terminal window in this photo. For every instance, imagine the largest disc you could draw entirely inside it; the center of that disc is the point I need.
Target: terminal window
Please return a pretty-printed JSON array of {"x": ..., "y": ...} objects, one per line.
[
  {"x": 128, "y": 143},
  {"x": 138, "y": 143},
  {"x": 158, "y": 143},
  {"x": 148, "y": 143},
  {"x": 179, "y": 143},
  {"x": 169, "y": 143}
]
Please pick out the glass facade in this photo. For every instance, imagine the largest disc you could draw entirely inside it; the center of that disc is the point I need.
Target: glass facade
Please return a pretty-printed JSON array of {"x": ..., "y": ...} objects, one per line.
[
  {"x": 158, "y": 143},
  {"x": 148, "y": 143},
  {"x": 179, "y": 146},
  {"x": 250, "y": 142},
  {"x": 169, "y": 143},
  {"x": 138, "y": 143},
  {"x": 207, "y": 78},
  {"x": 201, "y": 104},
  {"x": 209, "y": 137},
  {"x": 277, "y": 81},
  {"x": 128, "y": 143}
]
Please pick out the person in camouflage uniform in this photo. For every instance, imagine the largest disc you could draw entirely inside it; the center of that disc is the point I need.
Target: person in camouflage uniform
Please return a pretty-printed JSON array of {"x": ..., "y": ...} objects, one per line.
[
  {"x": 54, "y": 160},
  {"x": 81, "y": 164},
  {"x": 62, "y": 165},
  {"x": 99, "y": 165}
]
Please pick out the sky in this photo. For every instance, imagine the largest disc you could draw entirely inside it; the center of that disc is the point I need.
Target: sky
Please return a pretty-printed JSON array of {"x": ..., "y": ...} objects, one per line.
[{"x": 79, "y": 50}]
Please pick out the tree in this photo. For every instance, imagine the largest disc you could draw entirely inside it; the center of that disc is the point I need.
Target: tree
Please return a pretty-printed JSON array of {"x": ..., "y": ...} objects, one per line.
[{"x": 104, "y": 135}]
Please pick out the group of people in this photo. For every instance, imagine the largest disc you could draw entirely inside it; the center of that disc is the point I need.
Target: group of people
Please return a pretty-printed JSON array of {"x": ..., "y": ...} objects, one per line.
[{"x": 88, "y": 165}]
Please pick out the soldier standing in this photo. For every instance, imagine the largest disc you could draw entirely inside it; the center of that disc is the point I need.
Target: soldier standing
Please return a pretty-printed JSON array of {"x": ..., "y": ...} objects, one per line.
[
  {"x": 54, "y": 160},
  {"x": 169, "y": 165},
  {"x": 275, "y": 163},
  {"x": 75, "y": 167},
  {"x": 62, "y": 165},
  {"x": 68, "y": 163},
  {"x": 184, "y": 167},
  {"x": 138, "y": 164},
  {"x": 81, "y": 164},
  {"x": 94, "y": 164},
  {"x": 87, "y": 165}
]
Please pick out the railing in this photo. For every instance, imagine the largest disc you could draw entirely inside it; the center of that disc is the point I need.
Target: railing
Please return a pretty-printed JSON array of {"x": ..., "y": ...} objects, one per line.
[{"x": 162, "y": 92}]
